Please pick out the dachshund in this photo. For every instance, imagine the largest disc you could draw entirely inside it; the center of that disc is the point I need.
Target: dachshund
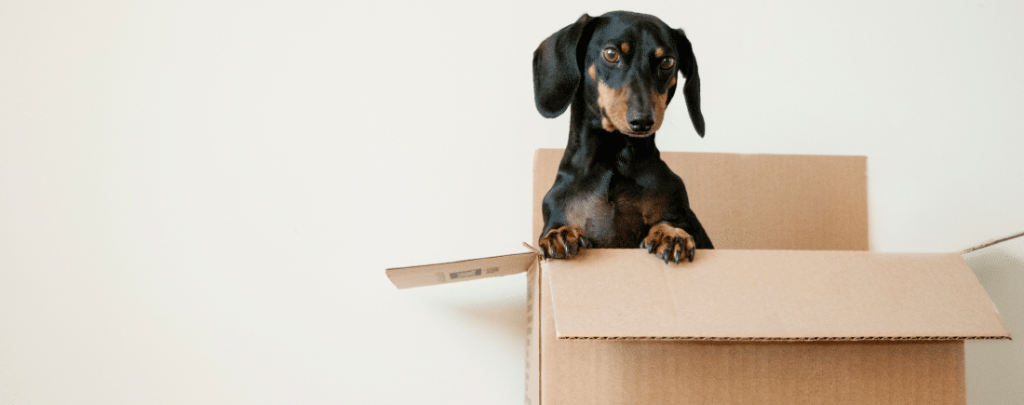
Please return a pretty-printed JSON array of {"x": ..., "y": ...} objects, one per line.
[{"x": 618, "y": 72}]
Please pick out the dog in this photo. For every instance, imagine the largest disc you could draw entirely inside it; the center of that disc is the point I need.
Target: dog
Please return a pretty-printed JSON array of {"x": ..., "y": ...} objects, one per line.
[{"x": 618, "y": 73}]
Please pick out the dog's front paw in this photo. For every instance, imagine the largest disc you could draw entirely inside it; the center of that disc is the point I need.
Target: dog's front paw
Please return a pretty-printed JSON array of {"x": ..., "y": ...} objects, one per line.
[
  {"x": 563, "y": 243},
  {"x": 669, "y": 243}
]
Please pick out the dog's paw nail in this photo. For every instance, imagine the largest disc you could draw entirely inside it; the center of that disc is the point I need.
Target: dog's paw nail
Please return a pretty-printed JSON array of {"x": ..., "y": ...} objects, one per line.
[
  {"x": 693, "y": 253},
  {"x": 679, "y": 253}
]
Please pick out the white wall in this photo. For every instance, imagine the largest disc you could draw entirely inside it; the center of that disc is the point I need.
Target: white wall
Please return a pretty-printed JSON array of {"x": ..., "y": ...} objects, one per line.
[
  {"x": 198, "y": 199},
  {"x": 995, "y": 369}
]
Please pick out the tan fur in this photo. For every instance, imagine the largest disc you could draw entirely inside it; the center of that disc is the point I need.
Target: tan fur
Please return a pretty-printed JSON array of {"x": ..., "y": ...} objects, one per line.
[
  {"x": 593, "y": 72},
  {"x": 607, "y": 125},
  {"x": 557, "y": 238},
  {"x": 660, "y": 102},
  {"x": 590, "y": 209},
  {"x": 659, "y": 52},
  {"x": 662, "y": 235},
  {"x": 614, "y": 104},
  {"x": 625, "y": 47}
]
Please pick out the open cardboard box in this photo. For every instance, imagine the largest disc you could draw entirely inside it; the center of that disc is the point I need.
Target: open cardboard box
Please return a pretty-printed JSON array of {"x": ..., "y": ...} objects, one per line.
[{"x": 790, "y": 309}]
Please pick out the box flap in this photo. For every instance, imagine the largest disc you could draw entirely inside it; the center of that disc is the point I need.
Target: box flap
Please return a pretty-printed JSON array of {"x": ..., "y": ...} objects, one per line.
[
  {"x": 464, "y": 270},
  {"x": 993, "y": 242},
  {"x": 770, "y": 295}
]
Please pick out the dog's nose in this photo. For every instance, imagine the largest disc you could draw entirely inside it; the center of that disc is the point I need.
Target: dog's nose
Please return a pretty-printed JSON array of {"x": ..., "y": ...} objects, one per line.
[{"x": 642, "y": 124}]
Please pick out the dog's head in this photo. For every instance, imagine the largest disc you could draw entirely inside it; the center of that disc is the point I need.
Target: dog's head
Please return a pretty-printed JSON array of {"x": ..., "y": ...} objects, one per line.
[{"x": 627, "y": 64}]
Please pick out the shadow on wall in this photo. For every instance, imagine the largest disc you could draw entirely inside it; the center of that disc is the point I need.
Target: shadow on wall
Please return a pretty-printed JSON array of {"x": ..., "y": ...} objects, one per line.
[
  {"x": 491, "y": 309},
  {"x": 995, "y": 369}
]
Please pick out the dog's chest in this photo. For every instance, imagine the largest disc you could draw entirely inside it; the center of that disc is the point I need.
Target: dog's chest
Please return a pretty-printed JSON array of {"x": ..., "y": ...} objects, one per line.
[{"x": 613, "y": 210}]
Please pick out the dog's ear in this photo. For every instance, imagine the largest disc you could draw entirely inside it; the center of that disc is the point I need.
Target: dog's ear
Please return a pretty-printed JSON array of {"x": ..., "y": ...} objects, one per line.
[
  {"x": 691, "y": 90},
  {"x": 556, "y": 71}
]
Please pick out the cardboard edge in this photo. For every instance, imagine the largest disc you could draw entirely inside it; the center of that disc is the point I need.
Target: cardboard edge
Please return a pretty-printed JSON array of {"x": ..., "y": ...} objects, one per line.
[
  {"x": 991, "y": 243},
  {"x": 994, "y": 242},
  {"x": 992, "y": 334},
  {"x": 791, "y": 339},
  {"x": 1002, "y": 321},
  {"x": 458, "y": 271},
  {"x": 533, "y": 334}
]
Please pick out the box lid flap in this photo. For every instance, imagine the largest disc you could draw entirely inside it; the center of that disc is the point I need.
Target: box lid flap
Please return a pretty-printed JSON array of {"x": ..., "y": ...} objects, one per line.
[
  {"x": 463, "y": 270},
  {"x": 770, "y": 295}
]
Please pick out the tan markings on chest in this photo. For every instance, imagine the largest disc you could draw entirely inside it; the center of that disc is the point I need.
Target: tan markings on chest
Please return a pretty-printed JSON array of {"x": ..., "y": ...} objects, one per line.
[
  {"x": 594, "y": 213},
  {"x": 593, "y": 207},
  {"x": 653, "y": 209}
]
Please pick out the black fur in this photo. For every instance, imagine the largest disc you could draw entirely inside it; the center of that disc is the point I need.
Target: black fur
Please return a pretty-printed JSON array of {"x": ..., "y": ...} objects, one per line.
[{"x": 612, "y": 184}]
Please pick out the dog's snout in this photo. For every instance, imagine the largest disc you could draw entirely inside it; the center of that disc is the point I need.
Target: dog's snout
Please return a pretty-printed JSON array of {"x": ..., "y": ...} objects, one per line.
[
  {"x": 641, "y": 124},
  {"x": 640, "y": 114}
]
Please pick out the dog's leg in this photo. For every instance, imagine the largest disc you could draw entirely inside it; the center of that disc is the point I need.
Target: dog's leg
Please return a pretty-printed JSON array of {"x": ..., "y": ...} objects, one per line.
[
  {"x": 563, "y": 242},
  {"x": 669, "y": 243}
]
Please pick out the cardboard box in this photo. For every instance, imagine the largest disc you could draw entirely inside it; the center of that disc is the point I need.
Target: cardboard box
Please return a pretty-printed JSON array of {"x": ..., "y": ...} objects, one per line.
[{"x": 790, "y": 309}]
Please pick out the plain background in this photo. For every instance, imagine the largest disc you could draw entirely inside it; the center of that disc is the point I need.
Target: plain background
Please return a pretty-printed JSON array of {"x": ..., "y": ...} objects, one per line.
[{"x": 198, "y": 199}]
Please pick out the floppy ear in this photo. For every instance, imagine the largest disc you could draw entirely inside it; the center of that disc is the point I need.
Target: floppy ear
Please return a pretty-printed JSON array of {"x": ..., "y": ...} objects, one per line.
[
  {"x": 556, "y": 72},
  {"x": 691, "y": 90}
]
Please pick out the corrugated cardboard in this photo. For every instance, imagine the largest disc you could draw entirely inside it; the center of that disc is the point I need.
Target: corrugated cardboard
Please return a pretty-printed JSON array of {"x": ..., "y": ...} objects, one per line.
[
  {"x": 770, "y": 295},
  {"x": 619, "y": 326},
  {"x": 433, "y": 274}
]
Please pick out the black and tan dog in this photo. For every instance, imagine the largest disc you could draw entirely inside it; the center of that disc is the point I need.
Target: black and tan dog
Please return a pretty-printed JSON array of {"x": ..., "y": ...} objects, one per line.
[{"x": 618, "y": 73}]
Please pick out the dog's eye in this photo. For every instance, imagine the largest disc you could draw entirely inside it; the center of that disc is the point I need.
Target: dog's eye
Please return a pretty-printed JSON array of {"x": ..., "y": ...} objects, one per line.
[
  {"x": 611, "y": 55},
  {"x": 667, "y": 63}
]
